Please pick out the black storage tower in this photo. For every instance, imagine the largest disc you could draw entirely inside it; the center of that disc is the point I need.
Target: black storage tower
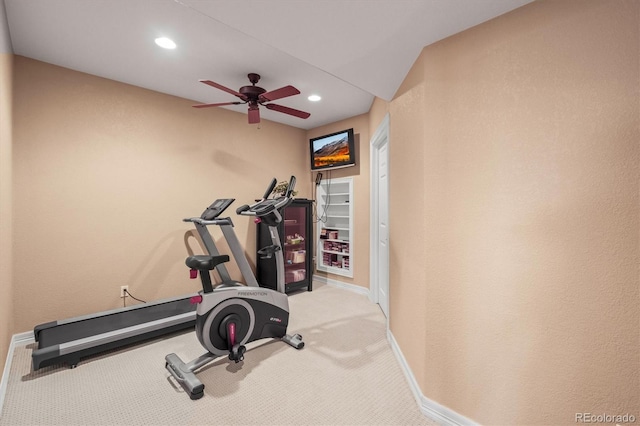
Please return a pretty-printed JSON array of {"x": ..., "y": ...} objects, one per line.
[{"x": 296, "y": 235}]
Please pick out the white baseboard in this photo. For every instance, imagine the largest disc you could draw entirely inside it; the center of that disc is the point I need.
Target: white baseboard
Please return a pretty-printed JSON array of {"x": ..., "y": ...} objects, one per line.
[
  {"x": 19, "y": 339},
  {"x": 335, "y": 283},
  {"x": 431, "y": 409}
]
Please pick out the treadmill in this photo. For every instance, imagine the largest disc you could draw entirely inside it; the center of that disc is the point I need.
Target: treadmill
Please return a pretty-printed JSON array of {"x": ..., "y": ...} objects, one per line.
[{"x": 69, "y": 340}]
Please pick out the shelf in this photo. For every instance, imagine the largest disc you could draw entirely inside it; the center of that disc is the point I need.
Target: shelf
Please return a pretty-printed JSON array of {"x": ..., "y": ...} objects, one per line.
[
  {"x": 335, "y": 202},
  {"x": 335, "y": 228},
  {"x": 341, "y": 253},
  {"x": 335, "y": 270}
]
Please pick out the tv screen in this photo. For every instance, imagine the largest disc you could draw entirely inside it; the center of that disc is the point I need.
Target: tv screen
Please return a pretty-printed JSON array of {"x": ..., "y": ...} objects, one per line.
[{"x": 333, "y": 151}]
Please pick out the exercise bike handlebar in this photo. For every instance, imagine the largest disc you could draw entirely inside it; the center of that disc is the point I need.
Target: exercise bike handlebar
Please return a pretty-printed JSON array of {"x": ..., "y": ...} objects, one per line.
[
  {"x": 290, "y": 187},
  {"x": 274, "y": 182}
]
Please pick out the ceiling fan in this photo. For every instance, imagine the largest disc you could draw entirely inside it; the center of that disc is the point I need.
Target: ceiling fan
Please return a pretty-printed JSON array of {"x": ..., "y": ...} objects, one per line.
[{"x": 255, "y": 96}]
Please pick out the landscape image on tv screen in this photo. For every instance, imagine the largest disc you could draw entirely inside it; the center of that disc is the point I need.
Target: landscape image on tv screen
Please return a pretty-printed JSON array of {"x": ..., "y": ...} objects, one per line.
[{"x": 331, "y": 150}]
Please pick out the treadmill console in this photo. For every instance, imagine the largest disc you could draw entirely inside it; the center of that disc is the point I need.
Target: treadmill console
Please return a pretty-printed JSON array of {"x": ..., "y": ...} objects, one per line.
[{"x": 216, "y": 208}]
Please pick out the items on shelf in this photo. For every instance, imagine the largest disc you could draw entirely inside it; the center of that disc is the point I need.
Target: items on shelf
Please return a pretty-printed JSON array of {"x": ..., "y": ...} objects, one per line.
[
  {"x": 295, "y": 256},
  {"x": 329, "y": 259},
  {"x": 294, "y": 239},
  {"x": 295, "y": 275},
  {"x": 328, "y": 234},
  {"x": 336, "y": 246}
]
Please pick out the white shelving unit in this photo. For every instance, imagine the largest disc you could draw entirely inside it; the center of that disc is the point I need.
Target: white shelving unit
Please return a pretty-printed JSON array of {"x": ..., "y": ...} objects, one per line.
[{"x": 335, "y": 226}]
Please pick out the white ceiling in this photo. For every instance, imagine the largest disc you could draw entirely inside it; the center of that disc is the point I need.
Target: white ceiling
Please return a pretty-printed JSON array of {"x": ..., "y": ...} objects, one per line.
[{"x": 346, "y": 51}]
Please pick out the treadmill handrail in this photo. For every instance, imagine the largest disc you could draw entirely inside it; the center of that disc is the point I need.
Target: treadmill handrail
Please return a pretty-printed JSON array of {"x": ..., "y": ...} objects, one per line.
[{"x": 200, "y": 221}]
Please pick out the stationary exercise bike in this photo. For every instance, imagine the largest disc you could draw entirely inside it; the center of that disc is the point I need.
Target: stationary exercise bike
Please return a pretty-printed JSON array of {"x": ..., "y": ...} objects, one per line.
[{"x": 230, "y": 315}]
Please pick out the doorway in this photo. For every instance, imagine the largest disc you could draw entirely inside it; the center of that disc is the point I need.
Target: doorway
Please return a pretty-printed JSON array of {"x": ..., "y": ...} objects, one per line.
[{"x": 379, "y": 266}]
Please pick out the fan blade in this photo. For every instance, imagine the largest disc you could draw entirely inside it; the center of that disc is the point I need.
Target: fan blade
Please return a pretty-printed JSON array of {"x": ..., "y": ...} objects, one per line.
[
  {"x": 226, "y": 89},
  {"x": 288, "y": 110},
  {"x": 282, "y": 92},
  {"x": 254, "y": 115},
  {"x": 217, "y": 105}
]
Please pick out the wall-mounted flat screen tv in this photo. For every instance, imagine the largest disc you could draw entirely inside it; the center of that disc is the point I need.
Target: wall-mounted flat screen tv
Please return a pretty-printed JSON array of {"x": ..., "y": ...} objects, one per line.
[{"x": 333, "y": 151}]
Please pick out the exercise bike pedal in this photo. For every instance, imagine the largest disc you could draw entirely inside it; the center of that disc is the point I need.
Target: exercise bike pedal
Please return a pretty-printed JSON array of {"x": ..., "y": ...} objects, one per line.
[{"x": 237, "y": 353}]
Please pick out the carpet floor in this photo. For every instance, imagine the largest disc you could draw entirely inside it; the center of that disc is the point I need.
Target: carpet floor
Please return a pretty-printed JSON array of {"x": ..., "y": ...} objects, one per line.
[{"x": 346, "y": 374}]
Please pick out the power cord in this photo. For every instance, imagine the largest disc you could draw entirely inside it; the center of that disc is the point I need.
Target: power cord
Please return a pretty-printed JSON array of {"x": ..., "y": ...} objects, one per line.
[
  {"x": 124, "y": 299},
  {"x": 323, "y": 217}
]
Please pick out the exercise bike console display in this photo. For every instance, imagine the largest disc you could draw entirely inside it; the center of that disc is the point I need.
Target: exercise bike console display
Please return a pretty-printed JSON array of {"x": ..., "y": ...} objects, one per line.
[
  {"x": 267, "y": 209},
  {"x": 263, "y": 207}
]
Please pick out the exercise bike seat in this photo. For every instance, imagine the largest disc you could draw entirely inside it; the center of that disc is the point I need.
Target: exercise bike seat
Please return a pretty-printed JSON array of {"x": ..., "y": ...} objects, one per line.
[
  {"x": 205, "y": 262},
  {"x": 228, "y": 284}
]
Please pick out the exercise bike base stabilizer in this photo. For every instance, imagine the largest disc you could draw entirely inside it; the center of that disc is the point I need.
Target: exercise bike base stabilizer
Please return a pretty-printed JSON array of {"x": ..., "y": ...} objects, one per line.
[{"x": 230, "y": 315}]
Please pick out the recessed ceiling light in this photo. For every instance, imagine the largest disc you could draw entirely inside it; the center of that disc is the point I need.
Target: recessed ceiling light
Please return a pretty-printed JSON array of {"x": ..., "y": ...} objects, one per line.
[
  {"x": 314, "y": 98},
  {"x": 167, "y": 43}
]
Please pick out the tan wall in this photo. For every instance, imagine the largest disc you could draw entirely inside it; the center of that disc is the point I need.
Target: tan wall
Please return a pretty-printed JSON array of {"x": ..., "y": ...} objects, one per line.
[
  {"x": 408, "y": 215},
  {"x": 379, "y": 109},
  {"x": 520, "y": 138},
  {"x": 361, "y": 188},
  {"x": 6, "y": 288},
  {"x": 104, "y": 173}
]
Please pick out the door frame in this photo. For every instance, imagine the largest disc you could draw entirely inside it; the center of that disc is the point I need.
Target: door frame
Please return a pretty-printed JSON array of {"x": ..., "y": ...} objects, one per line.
[{"x": 380, "y": 138}]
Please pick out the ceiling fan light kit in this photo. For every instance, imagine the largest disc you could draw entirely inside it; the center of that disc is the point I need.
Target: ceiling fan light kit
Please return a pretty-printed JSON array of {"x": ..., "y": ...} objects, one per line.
[{"x": 255, "y": 96}]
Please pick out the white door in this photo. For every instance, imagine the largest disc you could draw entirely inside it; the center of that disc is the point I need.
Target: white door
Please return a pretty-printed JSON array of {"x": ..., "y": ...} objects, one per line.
[
  {"x": 383, "y": 228},
  {"x": 379, "y": 223}
]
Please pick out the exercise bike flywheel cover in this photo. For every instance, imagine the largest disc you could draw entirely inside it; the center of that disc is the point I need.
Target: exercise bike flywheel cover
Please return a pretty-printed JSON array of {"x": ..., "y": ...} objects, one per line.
[{"x": 210, "y": 336}]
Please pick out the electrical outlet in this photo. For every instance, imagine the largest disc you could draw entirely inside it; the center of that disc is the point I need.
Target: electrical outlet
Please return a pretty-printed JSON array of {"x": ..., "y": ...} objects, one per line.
[{"x": 122, "y": 291}]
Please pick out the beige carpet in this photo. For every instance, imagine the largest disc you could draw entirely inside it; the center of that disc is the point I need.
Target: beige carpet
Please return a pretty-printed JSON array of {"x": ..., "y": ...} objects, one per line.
[{"x": 345, "y": 375}]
